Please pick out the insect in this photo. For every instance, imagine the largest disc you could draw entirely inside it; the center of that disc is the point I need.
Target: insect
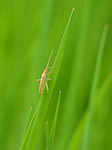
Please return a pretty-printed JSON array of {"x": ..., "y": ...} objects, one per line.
[{"x": 44, "y": 78}]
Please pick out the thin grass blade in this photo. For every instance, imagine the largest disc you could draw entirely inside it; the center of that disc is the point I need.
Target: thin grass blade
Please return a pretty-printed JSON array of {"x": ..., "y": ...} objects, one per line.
[
  {"x": 28, "y": 121},
  {"x": 47, "y": 137},
  {"x": 78, "y": 134},
  {"x": 27, "y": 133},
  {"x": 94, "y": 89},
  {"x": 53, "y": 128},
  {"x": 45, "y": 98},
  {"x": 77, "y": 137}
]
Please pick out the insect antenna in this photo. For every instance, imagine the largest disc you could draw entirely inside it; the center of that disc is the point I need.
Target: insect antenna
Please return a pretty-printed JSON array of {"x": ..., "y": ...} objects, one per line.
[
  {"x": 49, "y": 58},
  {"x": 51, "y": 61}
]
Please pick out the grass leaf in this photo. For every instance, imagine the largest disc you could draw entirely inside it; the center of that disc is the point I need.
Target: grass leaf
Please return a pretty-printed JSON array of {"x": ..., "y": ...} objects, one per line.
[
  {"x": 28, "y": 121},
  {"x": 53, "y": 128},
  {"x": 94, "y": 89},
  {"x": 27, "y": 133},
  {"x": 77, "y": 137},
  {"x": 34, "y": 131},
  {"x": 47, "y": 137},
  {"x": 78, "y": 134}
]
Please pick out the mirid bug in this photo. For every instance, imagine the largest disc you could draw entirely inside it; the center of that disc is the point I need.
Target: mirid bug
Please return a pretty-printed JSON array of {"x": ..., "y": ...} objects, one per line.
[{"x": 44, "y": 78}]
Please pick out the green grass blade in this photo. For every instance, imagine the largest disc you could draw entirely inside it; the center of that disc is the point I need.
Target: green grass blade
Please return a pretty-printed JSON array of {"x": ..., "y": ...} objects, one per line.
[
  {"x": 72, "y": 104},
  {"x": 94, "y": 89},
  {"x": 27, "y": 125},
  {"x": 53, "y": 128},
  {"x": 60, "y": 52},
  {"x": 78, "y": 134},
  {"x": 27, "y": 133},
  {"x": 28, "y": 121},
  {"x": 76, "y": 139},
  {"x": 45, "y": 98},
  {"x": 50, "y": 138},
  {"x": 47, "y": 137}
]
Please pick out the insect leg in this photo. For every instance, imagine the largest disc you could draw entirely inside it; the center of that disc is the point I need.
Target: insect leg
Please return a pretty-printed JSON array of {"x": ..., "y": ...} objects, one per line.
[
  {"x": 38, "y": 80},
  {"x": 50, "y": 67},
  {"x": 49, "y": 72},
  {"x": 48, "y": 78},
  {"x": 46, "y": 86}
]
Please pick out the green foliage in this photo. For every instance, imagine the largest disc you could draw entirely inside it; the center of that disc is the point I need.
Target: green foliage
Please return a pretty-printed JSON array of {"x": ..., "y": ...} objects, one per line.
[
  {"x": 47, "y": 137},
  {"x": 53, "y": 128},
  {"x": 50, "y": 136},
  {"x": 29, "y": 30},
  {"x": 96, "y": 121},
  {"x": 94, "y": 88},
  {"x": 37, "y": 120}
]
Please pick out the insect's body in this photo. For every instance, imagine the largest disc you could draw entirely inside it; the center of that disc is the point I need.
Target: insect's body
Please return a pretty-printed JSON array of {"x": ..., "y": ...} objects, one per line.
[{"x": 44, "y": 78}]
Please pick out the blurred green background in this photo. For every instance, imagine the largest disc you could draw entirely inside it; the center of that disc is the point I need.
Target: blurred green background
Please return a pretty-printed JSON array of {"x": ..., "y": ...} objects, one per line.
[{"x": 29, "y": 30}]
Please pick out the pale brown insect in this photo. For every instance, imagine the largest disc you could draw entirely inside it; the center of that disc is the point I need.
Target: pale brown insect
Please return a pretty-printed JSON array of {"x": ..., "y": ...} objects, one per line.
[{"x": 44, "y": 78}]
